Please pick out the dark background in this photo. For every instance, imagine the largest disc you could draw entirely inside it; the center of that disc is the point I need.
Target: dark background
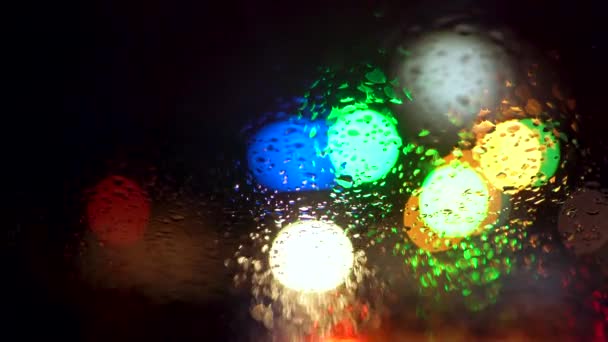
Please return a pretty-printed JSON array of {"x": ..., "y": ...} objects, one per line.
[{"x": 170, "y": 84}]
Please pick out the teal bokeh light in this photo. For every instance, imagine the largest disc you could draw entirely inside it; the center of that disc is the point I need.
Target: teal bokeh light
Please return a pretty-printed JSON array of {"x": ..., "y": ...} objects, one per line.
[{"x": 363, "y": 145}]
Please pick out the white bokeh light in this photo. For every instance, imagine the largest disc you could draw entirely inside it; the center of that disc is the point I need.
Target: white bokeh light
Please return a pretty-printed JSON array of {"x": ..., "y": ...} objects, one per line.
[
  {"x": 455, "y": 75},
  {"x": 311, "y": 256}
]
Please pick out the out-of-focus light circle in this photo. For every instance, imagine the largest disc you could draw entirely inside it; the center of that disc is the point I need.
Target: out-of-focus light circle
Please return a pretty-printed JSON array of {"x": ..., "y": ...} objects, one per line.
[
  {"x": 550, "y": 148},
  {"x": 455, "y": 75},
  {"x": 343, "y": 331},
  {"x": 118, "y": 211},
  {"x": 363, "y": 145},
  {"x": 289, "y": 156},
  {"x": 311, "y": 256},
  {"x": 582, "y": 221},
  {"x": 436, "y": 241},
  {"x": 454, "y": 200},
  {"x": 511, "y": 156},
  {"x": 420, "y": 234}
]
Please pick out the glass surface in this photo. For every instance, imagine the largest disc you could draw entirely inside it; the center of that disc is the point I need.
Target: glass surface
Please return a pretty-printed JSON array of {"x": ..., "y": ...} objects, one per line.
[{"x": 378, "y": 171}]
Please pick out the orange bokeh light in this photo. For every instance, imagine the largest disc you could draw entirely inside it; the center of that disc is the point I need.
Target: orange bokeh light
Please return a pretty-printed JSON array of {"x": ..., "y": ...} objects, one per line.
[{"x": 424, "y": 237}]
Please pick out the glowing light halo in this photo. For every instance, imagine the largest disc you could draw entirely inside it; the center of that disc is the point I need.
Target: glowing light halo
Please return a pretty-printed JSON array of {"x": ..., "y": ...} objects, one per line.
[
  {"x": 433, "y": 241},
  {"x": 420, "y": 234},
  {"x": 455, "y": 75},
  {"x": 118, "y": 211},
  {"x": 311, "y": 256},
  {"x": 363, "y": 144},
  {"x": 454, "y": 200},
  {"x": 468, "y": 266},
  {"x": 501, "y": 158},
  {"x": 550, "y": 148},
  {"x": 496, "y": 204},
  {"x": 288, "y": 156}
]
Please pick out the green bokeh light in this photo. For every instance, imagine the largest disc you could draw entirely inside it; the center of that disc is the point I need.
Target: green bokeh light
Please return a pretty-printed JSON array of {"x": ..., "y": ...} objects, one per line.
[
  {"x": 363, "y": 144},
  {"x": 454, "y": 200},
  {"x": 471, "y": 269},
  {"x": 551, "y": 150}
]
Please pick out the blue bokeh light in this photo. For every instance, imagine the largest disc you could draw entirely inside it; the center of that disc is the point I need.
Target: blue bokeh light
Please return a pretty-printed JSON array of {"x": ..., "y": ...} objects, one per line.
[{"x": 289, "y": 155}]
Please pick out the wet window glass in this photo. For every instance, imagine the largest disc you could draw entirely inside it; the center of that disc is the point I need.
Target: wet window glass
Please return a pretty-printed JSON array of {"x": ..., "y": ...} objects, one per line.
[{"x": 390, "y": 171}]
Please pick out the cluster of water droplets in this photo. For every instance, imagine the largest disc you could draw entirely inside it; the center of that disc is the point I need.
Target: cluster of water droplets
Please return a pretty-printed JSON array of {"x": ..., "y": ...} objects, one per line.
[{"x": 528, "y": 110}]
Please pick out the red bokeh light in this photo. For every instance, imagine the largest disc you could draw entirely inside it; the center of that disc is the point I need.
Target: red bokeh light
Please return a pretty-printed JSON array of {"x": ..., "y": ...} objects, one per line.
[
  {"x": 343, "y": 331},
  {"x": 118, "y": 211}
]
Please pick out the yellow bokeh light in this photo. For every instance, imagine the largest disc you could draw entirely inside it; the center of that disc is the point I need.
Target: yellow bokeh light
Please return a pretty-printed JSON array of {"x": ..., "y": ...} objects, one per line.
[
  {"x": 511, "y": 156},
  {"x": 311, "y": 256}
]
